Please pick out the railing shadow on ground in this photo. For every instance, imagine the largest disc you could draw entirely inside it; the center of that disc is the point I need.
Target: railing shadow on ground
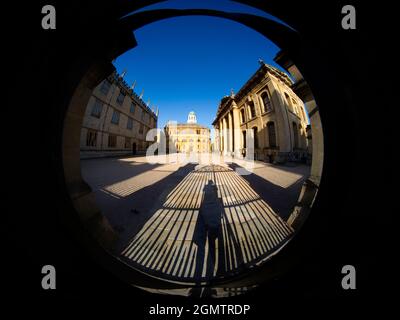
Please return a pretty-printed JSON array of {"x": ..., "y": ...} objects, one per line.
[
  {"x": 281, "y": 200},
  {"x": 194, "y": 237}
]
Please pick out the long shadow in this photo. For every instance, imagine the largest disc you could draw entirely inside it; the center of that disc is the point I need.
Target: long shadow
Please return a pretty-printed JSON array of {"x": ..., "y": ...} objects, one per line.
[
  {"x": 209, "y": 237},
  {"x": 100, "y": 172},
  {"x": 191, "y": 235},
  {"x": 132, "y": 212},
  {"x": 281, "y": 200}
]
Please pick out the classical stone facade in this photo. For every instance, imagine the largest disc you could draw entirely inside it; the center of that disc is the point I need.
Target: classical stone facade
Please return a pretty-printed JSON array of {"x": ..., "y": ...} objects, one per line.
[
  {"x": 116, "y": 121},
  {"x": 264, "y": 119},
  {"x": 187, "y": 137},
  {"x": 315, "y": 132}
]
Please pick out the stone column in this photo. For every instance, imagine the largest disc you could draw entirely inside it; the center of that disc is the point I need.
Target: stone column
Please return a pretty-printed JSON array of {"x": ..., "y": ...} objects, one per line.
[
  {"x": 230, "y": 132},
  {"x": 317, "y": 142},
  {"x": 221, "y": 135},
  {"x": 236, "y": 130},
  {"x": 225, "y": 133}
]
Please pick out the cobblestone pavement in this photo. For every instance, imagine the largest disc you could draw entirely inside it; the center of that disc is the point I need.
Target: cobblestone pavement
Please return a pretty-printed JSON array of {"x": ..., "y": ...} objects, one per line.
[{"x": 193, "y": 222}]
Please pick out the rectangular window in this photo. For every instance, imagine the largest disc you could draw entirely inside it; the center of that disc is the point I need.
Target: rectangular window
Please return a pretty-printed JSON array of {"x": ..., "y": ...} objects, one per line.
[
  {"x": 97, "y": 108},
  {"x": 112, "y": 141},
  {"x": 197, "y": 131},
  {"x": 132, "y": 109},
  {"x": 121, "y": 97},
  {"x": 141, "y": 128},
  {"x": 115, "y": 117},
  {"x": 143, "y": 115},
  {"x": 105, "y": 87},
  {"x": 91, "y": 138},
  {"x": 129, "y": 124},
  {"x": 252, "y": 110},
  {"x": 242, "y": 115}
]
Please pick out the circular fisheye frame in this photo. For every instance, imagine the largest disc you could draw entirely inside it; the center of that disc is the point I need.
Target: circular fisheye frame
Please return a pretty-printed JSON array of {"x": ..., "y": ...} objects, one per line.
[{"x": 202, "y": 180}]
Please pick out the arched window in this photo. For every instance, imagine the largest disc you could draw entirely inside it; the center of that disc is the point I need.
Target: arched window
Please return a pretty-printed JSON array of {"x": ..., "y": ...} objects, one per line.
[
  {"x": 271, "y": 134},
  {"x": 242, "y": 117},
  {"x": 295, "y": 135},
  {"x": 255, "y": 133},
  {"x": 252, "y": 109},
  {"x": 266, "y": 101},
  {"x": 295, "y": 107},
  {"x": 302, "y": 113},
  {"x": 289, "y": 102}
]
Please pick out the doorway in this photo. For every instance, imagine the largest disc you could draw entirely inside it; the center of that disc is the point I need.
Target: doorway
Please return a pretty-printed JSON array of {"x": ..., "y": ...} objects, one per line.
[{"x": 134, "y": 148}]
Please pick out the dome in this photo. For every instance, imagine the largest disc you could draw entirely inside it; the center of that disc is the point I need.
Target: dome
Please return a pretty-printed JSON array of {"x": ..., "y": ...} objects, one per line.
[{"x": 192, "y": 118}]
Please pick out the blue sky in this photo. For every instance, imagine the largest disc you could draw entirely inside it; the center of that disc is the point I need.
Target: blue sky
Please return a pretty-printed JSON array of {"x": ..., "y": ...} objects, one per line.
[{"x": 189, "y": 63}]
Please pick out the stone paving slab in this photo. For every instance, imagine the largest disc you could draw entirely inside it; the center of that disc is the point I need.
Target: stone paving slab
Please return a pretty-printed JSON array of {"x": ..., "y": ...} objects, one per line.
[{"x": 195, "y": 222}]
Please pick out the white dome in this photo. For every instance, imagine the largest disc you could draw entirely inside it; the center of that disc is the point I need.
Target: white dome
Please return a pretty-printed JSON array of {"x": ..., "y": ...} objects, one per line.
[{"x": 192, "y": 117}]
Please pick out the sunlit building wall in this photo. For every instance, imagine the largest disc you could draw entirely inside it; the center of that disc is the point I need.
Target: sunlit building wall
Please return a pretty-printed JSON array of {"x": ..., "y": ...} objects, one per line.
[
  {"x": 267, "y": 109},
  {"x": 188, "y": 137}
]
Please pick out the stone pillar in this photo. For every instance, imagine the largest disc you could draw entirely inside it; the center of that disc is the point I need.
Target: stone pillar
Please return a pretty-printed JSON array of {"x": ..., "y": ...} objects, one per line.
[
  {"x": 216, "y": 139},
  {"x": 230, "y": 133},
  {"x": 236, "y": 130},
  {"x": 317, "y": 142},
  {"x": 221, "y": 135},
  {"x": 225, "y": 133}
]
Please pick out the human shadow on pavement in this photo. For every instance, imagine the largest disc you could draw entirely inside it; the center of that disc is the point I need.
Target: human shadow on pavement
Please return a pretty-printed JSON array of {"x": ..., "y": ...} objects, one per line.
[{"x": 209, "y": 238}]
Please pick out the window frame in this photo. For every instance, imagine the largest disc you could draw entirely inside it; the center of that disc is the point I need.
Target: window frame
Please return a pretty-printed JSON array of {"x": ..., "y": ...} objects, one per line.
[
  {"x": 97, "y": 105},
  {"x": 249, "y": 104},
  {"x": 265, "y": 108},
  {"x": 102, "y": 86},
  {"x": 93, "y": 135},
  {"x": 119, "y": 102},
  {"x": 113, "y": 121},
  {"x": 242, "y": 115},
  {"x": 133, "y": 106},
  {"x": 129, "y": 123}
]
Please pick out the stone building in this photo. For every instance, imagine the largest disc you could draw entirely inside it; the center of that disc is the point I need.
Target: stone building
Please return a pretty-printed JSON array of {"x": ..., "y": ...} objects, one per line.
[
  {"x": 314, "y": 130},
  {"x": 265, "y": 118},
  {"x": 187, "y": 137},
  {"x": 116, "y": 120}
]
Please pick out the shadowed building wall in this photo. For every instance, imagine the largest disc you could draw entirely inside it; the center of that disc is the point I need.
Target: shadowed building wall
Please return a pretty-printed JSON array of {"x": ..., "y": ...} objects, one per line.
[{"x": 116, "y": 120}]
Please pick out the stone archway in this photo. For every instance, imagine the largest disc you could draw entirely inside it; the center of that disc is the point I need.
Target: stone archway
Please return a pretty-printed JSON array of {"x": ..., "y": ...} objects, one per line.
[{"x": 79, "y": 191}]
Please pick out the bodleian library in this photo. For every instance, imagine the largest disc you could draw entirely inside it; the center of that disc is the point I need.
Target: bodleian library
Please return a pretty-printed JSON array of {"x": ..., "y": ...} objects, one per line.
[{"x": 116, "y": 120}]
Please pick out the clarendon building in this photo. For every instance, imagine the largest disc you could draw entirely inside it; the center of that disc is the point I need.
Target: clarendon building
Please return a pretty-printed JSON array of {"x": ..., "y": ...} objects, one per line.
[
  {"x": 188, "y": 137},
  {"x": 268, "y": 113},
  {"x": 116, "y": 120}
]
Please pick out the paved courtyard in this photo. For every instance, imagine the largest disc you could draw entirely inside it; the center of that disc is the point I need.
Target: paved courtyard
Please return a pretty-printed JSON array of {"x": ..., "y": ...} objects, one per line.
[{"x": 193, "y": 222}]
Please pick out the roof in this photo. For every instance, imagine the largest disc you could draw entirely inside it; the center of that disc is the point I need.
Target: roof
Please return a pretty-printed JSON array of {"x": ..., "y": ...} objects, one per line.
[
  {"x": 261, "y": 71},
  {"x": 115, "y": 77}
]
